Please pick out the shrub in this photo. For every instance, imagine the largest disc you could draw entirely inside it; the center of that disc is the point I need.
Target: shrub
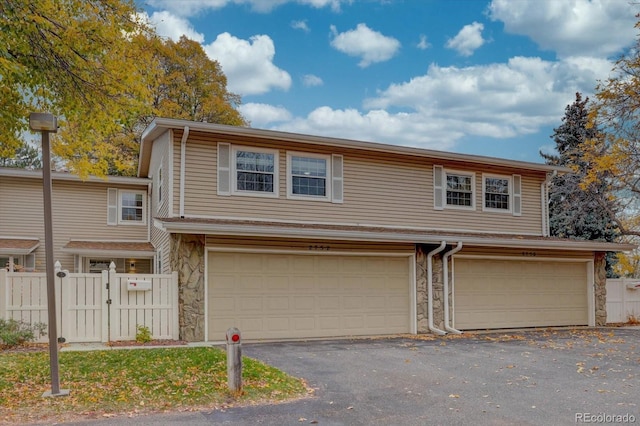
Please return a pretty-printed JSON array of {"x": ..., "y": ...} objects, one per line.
[
  {"x": 14, "y": 333},
  {"x": 143, "y": 335}
]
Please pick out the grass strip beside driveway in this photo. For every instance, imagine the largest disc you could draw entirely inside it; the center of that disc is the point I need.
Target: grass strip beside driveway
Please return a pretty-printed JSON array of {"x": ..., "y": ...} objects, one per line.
[{"x": 104, "y": 383}]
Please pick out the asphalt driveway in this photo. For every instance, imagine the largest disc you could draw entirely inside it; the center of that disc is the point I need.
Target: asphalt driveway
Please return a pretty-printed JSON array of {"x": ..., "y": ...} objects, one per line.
[
  {"x": 541, "y": 378},
  {"x": 546, "y": 377}
]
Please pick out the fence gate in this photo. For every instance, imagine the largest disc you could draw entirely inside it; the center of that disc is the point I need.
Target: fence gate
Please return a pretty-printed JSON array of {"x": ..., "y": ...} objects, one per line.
[{"x": 84, "y": 311}]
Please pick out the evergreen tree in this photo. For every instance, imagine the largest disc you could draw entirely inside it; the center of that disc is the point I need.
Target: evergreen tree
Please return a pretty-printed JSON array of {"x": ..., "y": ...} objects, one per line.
[{"x": 578, "y": 210}]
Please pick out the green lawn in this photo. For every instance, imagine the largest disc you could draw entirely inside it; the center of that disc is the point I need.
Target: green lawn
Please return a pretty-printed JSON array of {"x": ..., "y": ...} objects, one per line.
[{"x": 109, "y": 382}]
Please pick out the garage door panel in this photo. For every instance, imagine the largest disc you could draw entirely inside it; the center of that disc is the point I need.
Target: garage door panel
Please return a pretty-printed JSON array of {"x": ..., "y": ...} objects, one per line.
[
  {"x": 512, "y": 293},
  {"x": 307, "y": 295}
]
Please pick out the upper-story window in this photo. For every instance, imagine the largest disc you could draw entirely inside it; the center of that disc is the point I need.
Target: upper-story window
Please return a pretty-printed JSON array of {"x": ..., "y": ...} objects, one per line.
[
  {"x": 255, "y": 171},
  {"x": 126, "y": 207},
  {"x": 497, "y": 193},
  {"x": 308, "y": 176},
  {"x": 459, "y": 189},
  {"x": 453, "y": 189}
]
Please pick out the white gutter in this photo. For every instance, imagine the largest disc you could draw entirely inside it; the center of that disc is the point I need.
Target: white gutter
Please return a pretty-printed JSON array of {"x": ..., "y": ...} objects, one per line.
[
  {"x": 544, "y": 195},
  {"x": 445, "y": 272},
  {"x": 183, "y": 161},
  {"x": 432, "y": 328}
]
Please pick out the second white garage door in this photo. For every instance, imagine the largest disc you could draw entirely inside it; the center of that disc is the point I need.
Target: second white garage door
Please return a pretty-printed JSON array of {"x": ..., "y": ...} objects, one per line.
[
  {"x": 279, "y": 296},
  {"x": 512, "y": 293}
]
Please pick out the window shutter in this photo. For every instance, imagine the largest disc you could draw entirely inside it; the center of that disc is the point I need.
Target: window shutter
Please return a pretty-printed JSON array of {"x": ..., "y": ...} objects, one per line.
[
  {"x": 112, "y": 206},
  {"x": 337, "y": 180},
  {"x": 438, "y": 187},
  {"x": 517, "y": 195},
  {"x": 224, "y": 169}
]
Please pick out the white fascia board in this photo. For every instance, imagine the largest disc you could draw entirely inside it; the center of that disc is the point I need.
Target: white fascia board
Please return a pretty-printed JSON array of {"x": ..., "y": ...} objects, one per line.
[{"x": 372, "y": 236}]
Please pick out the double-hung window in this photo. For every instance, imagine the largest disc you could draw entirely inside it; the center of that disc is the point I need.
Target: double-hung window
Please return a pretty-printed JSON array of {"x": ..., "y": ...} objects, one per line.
[
  {"x": 459, "y": 189},
  {"x": 255, "y": 171},
  {"x": 126, "y": 207},
  {"x": 308, "y": 176},
  {"x": 453, "y": 189},
  {"x": 497, "y": 193},
  {"x": 502, "y": 194}
]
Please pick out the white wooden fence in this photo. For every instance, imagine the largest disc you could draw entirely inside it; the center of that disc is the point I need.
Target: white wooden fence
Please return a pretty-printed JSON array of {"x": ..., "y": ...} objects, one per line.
[
  {"x": 622, "y": 301},
  {"x": 94, "y": 307}
]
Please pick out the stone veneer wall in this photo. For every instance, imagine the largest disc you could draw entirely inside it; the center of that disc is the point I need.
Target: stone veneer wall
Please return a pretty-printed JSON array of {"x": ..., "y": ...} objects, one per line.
[
  {"x": 600, "y": 280},
  {"x": 188, "y": 258},
  {"x": 421, "y": 286}
]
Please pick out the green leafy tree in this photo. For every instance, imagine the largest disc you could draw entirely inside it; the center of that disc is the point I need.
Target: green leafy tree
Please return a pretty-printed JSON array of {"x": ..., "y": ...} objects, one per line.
[
  {"x": 575, "y": 208},
  {"x": 25, "y": 157}
]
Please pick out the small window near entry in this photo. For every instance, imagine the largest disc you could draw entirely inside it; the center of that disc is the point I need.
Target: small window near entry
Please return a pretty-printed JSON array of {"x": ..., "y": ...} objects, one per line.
[
  {"x": 497, "y": 193},
  {"x": 308, "y": 176},
  {"x": 256, "y": 171},
  {"x": 131, "y": 207},
  {"x": 459, "y": 189}
]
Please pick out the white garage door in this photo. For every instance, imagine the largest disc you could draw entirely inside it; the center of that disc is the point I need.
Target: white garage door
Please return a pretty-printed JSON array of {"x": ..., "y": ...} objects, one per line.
[
  {"x": 511, "y": 294},
  {"x": 275, "y": 296}
]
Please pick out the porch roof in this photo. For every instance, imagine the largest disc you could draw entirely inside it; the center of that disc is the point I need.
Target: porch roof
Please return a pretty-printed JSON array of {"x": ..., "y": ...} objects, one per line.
[
  {"x": 110, "y": 248},
  {"x": 18, "y": 246}
]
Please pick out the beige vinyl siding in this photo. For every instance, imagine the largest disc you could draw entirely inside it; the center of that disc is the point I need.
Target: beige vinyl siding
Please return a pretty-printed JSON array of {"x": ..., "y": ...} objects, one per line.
[
  {"x": 379, "y": 189},
  {"x": 527, "y": 253},
  {"x": 79, "y": 212},
  {"x": 305, "y": 245},
  {"x": 161, "y": 157}
]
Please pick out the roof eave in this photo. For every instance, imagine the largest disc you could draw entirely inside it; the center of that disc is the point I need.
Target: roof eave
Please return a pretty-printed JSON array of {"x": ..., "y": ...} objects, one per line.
[
  {"x": 245, "y": 230},
  {"x": 160, "y": 125}
]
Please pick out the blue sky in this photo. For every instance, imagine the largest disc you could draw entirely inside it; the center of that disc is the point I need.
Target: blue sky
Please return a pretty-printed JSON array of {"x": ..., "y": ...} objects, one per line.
[{"x": 489, "y": 77}]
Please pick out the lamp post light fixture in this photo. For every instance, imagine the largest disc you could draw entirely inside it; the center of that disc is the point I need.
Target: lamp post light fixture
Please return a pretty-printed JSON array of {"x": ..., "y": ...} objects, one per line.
[{"x": 45, "y": 124}]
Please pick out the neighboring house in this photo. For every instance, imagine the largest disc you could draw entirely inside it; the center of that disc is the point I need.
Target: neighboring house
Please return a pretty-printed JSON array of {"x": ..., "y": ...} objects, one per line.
[
  {"x": 294, "y": 236},
  {"x": 95, "y": 222}
]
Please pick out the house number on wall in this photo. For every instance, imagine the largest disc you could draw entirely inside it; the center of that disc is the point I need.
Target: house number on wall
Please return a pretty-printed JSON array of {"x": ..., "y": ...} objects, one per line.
[
  {"x": 529, "y": 253},
  {"x": 319, "y": 248}
]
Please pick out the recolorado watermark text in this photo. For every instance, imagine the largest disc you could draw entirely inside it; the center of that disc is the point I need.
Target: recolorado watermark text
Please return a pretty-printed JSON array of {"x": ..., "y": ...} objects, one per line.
[{"x": 604, "y": 418}]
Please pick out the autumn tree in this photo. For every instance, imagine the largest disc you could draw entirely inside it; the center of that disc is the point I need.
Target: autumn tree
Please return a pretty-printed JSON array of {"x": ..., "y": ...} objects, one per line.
[
  {"x": 75, "y": 59},
  {"x": 106, "y": 75},
  {"x": 575, "y": 209},
  {"x": 25, "y": 157}
]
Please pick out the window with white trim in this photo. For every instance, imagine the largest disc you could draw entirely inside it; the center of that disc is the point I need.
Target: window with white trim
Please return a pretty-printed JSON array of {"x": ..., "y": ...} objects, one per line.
[
  {"x": 459, "y": 189},
  {"x": 308, "y": 176},
  {"x": 255, "y": 171},
  {"x": 126, "y": 207},
  {"x": 497, "y": 193},
  {"x": 159, "y": 187}
]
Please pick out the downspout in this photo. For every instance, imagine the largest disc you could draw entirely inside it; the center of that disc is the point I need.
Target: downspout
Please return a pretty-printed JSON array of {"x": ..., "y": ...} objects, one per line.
[
  {"x": 445, "y": 272},
  {"x": 432, "y": 328},
  {"x": 183, "y": 161},
  {"x": 544, "y": 194}
]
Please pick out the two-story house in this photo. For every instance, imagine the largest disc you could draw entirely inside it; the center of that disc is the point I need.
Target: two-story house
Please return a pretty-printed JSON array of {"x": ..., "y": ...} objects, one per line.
[
  {"x": 294, "y": 236},
  {"x": 95, "y": 222}
]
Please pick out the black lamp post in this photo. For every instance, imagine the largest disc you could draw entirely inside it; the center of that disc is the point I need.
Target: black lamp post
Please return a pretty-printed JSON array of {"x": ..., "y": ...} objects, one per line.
[{"x": 45, "y": 124}]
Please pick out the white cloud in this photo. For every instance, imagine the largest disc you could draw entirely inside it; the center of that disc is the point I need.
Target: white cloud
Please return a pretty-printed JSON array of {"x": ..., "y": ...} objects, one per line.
[
  {"x": 310, "y": 80},
  {"x": 248, "y": 65},
  {"x": 171, "y": 26},
  {"x": 376, "y": 126},
  {"x": 193, "y": 7},
  {"x": 467, "y": 40},
  {"x": 260, "y": 115},
  {"x": 371, "y": 46},
  {"x": 423, "y": 44},
  {"x": 570, "y": 27},
  {"x": 300, "y": 25},
  {"x": 495, "y": 100}
]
